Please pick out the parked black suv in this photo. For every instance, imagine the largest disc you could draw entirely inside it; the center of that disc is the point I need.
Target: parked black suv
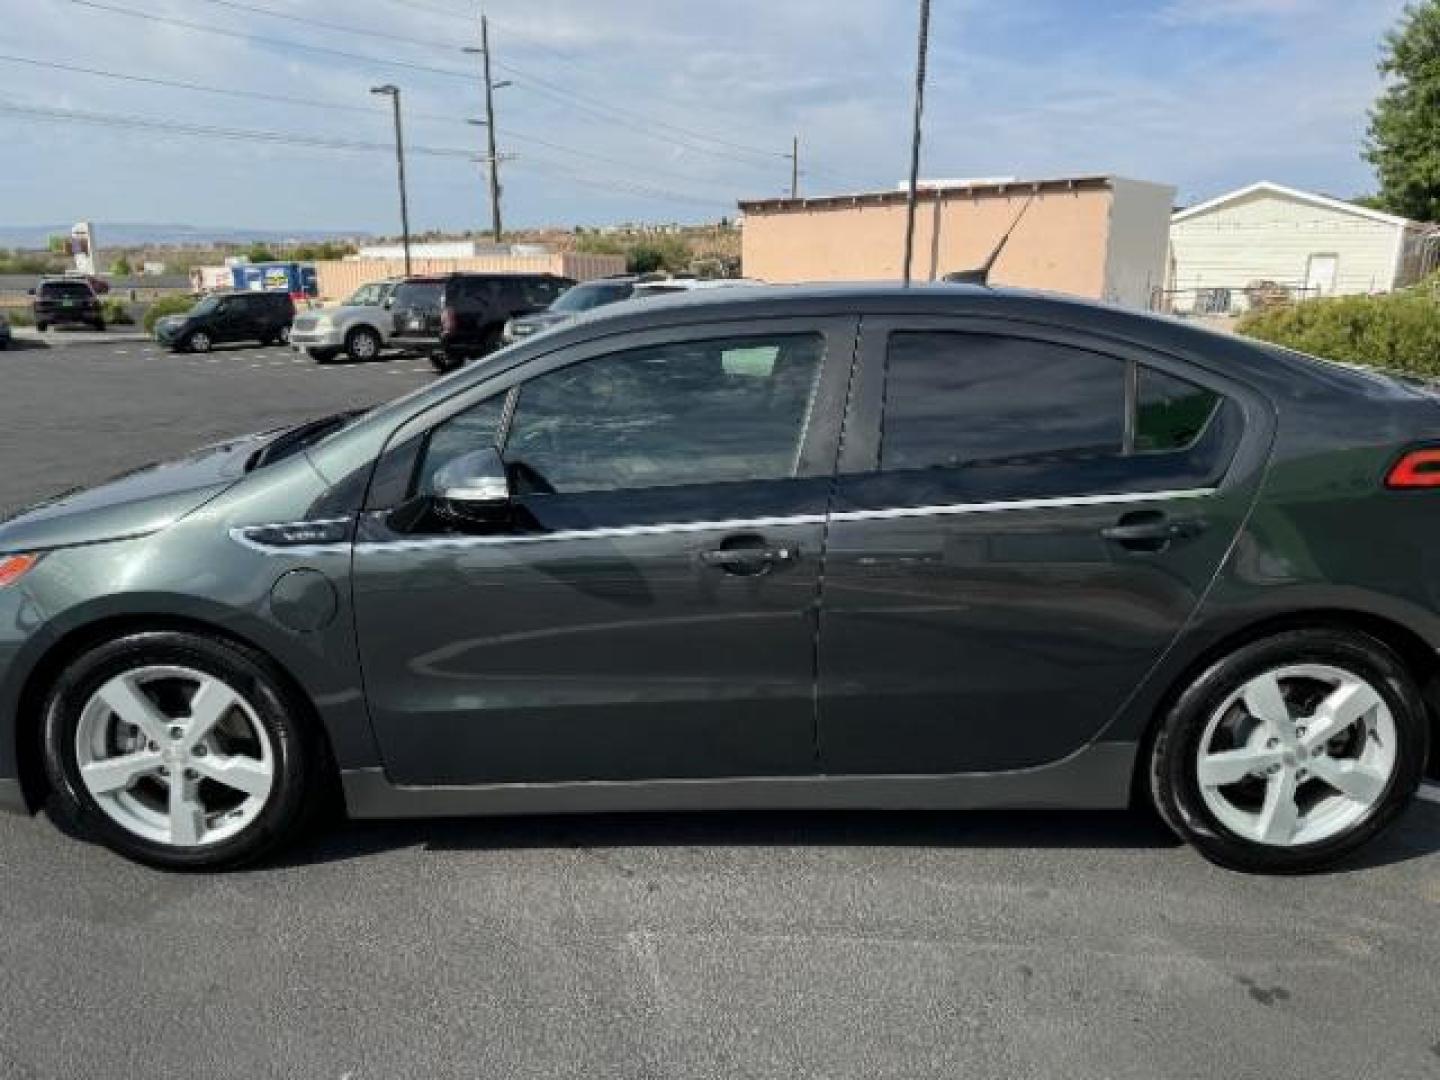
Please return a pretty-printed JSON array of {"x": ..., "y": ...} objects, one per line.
[
  {"x": 458, "y": 316},
  {"x": 230, "y": 316},
  {"x": 60, "y": 301}
]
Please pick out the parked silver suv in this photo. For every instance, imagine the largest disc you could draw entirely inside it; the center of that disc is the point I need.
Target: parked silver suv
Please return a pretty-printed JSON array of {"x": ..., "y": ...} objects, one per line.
[{"x": 360, "y": 327}]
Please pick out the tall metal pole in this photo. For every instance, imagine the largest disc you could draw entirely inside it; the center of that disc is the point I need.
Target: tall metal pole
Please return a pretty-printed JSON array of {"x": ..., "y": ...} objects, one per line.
[
  {"x": 923, "y": 52},
  {"x": 494, "y": 158},
  {"x": 393, "y": 93},
  {"x": 795, "y": 167}
]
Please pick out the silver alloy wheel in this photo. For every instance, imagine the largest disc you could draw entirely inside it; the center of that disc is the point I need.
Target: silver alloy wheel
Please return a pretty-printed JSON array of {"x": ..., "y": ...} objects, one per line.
[
  {"x": 285, "y": 335},
  {"x": 1297, "y": 755},
  {"x": 364, "y": 345},
  {"x": 199, "y": 341},
  {"x": 174, "y": 756}
]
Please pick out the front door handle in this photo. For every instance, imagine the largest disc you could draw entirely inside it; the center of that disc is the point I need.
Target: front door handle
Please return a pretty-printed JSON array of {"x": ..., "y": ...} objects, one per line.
[
  {"x": 1151, "y": 530},
  {"x": 748, "y": 559}
]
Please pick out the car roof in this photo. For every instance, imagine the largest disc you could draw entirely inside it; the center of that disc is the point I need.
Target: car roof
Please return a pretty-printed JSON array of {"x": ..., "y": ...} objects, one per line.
[{"x": 1229, "y": 353}]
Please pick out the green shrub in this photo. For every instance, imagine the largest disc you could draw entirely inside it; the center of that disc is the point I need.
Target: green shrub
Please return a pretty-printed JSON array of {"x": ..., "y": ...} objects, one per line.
[
  {"x": 19, "y": 317},
  {"x": 167, "y": 305},
  {"x": 1400, "y": 331},
  {"x": 116, "y": 313}
]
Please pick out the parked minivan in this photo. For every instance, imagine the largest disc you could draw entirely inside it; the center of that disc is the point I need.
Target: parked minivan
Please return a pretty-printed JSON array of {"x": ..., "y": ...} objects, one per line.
[{"x": 456, "y": 317}]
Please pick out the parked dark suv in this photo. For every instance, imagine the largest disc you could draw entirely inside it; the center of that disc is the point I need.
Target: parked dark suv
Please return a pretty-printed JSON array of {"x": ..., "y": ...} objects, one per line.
[
  {"x": 459, "y": 316},
  {"x": 234, "y": 316},
  {"x": 67, "y": 301}
]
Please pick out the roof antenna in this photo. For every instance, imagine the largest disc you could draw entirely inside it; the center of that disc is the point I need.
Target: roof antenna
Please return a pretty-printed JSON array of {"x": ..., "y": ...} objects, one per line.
[{"x": 981, "y": 275}]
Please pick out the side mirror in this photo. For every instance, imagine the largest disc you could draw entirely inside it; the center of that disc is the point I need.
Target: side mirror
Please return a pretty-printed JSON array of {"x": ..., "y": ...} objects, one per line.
[{"x": 473, "y": 487}]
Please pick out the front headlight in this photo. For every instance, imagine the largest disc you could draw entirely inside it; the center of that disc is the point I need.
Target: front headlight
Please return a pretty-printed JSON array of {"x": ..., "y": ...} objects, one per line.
[{"x": 324, "y": 323}]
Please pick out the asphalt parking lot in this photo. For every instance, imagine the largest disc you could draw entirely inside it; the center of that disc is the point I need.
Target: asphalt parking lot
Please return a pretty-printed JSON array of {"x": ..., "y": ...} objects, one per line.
[{"x": 762, "y": 945}]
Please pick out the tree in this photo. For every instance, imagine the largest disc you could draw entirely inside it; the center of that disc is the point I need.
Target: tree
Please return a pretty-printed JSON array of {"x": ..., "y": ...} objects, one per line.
[
  {"x": 121, "y": 267},
  {"x": 1404, "y": 137},
  {"x": 259, "y": 253}
]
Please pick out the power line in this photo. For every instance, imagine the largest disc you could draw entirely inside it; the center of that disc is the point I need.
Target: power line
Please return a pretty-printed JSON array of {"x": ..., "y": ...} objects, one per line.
[
  {"x": 259, "y": 95},
  {"x": 127, "y": 122},
  {"x": 611, "y": 113}
]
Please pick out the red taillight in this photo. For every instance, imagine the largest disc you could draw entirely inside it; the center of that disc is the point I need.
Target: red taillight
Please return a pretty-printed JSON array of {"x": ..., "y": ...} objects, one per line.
[
  {"x": 447, "y": 320},
  {"x": 1417, "y": 469}
]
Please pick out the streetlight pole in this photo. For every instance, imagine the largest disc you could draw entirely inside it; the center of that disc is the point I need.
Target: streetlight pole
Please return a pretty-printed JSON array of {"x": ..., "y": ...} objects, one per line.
[
  {"x": 492, "y": 157},
  {"x": 795, "y": 167},
  {"x": 923, "y": 53},
  {"x": 393, "y": 93}
]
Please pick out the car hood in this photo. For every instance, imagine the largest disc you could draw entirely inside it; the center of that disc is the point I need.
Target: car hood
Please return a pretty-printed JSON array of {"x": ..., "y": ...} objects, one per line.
[{"x": 141, "y": 501}]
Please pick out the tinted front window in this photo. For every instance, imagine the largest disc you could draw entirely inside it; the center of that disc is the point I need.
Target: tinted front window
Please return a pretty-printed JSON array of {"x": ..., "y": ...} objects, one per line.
[
  {"x": 537, "y": 293},
  {"x": 587, "y": 297},
  {"x": 364, "y": 296},
  {"x": 956, "y": 400},
  {"x": 1170, "y": 413},
  {"x": 697, "y": 412}
]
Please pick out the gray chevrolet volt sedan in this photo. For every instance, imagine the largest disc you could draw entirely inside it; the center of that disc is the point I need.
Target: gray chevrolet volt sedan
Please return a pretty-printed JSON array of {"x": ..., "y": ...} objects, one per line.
[{"x": 944, "y": 547}]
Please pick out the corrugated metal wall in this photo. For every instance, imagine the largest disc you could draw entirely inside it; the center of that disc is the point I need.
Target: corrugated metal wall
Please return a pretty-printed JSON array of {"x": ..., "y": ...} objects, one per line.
[{"x": 338, "y": 280}]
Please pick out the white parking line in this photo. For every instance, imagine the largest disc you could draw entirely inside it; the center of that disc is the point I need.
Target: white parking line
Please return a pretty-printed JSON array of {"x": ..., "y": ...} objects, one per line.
[{"x": 1430, "y": 792}]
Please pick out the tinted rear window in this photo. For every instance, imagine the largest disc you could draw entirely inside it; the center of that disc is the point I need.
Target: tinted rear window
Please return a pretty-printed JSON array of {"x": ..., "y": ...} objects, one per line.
[
  {"x": 957, "y": 400},
  {"x": 419, "y": 294},
  {"x": 56, "y": 289}
]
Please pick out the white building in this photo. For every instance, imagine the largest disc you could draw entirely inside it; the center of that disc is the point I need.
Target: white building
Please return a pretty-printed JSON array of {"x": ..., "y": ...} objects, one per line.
[
  {"x": 443, "y": 249},
  {"x": 1309, "y": 244}
]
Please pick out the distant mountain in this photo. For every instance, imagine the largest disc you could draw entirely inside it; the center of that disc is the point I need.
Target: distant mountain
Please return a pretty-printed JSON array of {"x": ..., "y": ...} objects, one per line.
[{"x": 137, "y": 233}]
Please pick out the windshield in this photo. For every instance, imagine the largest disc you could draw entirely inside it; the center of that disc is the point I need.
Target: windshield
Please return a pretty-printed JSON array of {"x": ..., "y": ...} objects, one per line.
[
  {"x": 585, "y": 297},
  {"x": 206, "y": 306}
]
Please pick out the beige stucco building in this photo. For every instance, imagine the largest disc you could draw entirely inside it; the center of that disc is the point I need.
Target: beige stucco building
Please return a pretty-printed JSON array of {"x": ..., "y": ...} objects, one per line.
[{"x": 1100, "y": 237}]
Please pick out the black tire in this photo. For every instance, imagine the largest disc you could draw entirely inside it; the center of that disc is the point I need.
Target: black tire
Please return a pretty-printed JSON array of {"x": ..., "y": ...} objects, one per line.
[
  {"x": 299, "y": 773},
  {"x": 363, "y": 345},
  {"x": 1175, "y": 784},
  {"x": 42, "y": 326},
  {"x": 322, "y": 356},
  {"x": 443, "y": 361},
  {"x": 198, "y": 342},
  {"x": 98, "y": 325}
]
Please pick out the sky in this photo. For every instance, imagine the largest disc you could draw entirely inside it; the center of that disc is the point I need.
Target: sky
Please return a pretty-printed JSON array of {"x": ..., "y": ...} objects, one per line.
[{"x": 662, "y": 110}]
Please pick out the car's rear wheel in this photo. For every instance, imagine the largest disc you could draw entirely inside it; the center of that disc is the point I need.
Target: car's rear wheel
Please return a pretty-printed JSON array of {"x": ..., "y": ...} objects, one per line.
[
  {"x": 1292, "y": 751},
  {"x": 42, "y": 326},
  {"x": 362, "y": 344},
  {"x": 198, "y": 342},
  {"x": 178, "y": 750},
  {"x": 442, "y": 361}
]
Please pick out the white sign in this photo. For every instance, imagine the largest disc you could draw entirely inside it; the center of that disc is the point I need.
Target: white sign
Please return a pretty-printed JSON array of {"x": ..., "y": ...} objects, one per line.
[{"x": 82, "y": 246}]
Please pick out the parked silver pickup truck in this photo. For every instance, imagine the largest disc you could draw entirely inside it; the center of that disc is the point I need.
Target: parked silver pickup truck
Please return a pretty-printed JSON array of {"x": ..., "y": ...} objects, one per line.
[{"x": 360, "y": 327}]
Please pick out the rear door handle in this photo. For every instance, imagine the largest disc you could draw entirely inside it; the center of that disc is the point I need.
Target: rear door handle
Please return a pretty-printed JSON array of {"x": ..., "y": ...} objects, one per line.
[
  {"x": 748, "y": 560},
  {"x": 1151, "y": 531}
]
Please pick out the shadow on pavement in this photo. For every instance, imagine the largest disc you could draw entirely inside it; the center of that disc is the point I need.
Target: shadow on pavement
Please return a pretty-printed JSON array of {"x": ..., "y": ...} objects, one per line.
[{"x": 1416, "y": 836}]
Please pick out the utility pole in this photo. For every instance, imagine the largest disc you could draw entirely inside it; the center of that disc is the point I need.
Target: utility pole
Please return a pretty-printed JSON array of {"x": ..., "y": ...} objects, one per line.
[
  {"x": 490, "y": 130},
  {"x": 923, "y": 51},
  {"x": 393, "y": 93},
  {"x": 794, "y": 157}
]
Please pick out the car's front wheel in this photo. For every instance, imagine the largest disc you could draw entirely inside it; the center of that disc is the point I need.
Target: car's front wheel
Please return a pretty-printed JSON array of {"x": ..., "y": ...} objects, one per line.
[
  {"x": 198, "y": 342},
  {"x": 362, "y": 344},
  {"x": 179, "y": 750},
  {"x": 1292, "y": 751}
]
